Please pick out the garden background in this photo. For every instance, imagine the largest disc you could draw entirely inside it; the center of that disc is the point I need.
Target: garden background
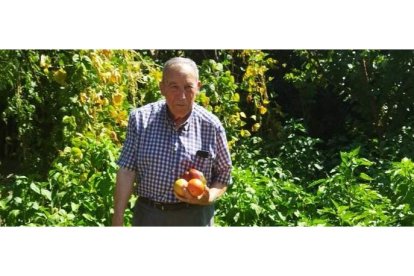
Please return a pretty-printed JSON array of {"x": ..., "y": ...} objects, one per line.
[{"x": 318, "y": 137}]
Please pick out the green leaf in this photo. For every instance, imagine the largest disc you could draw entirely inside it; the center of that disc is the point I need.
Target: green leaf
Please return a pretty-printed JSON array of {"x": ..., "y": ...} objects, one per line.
[
  {"x": 319, "y": 167},
  {"x": 75, "y": 58},
  {"x": 47, "y": 194},
  {"x": 62, "y": 212},
  {"x": 365, "y": 162},
  {"x": 74, "y": 206},
  {"x": 236, "y": 217},
  {"x": 71, "y": 216},
  {"x": 88, "y": 217},
  {"x": 15, "y": 213},
  {"x": 364, "y": 176},
  {"x": 317, "y": 182},
  {"x": 35, "y": 205},
  {"x": 3, "y": 204},
  {"x": 18, "y": 200},
  {"x": 282, "y": 217},
  {"x": 77, "y": 153},
  {"x": 256, "y": 208},
  {"x": 355, "y": 151},
  {"x": 35, "y": 188}
]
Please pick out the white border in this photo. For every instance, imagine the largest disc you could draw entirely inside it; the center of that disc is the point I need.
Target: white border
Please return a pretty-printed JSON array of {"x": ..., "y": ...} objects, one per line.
[
  {"x": 206, "y": 251},
  {"x": 214, "y": 24},
  {"x": 181, "y": 24}
]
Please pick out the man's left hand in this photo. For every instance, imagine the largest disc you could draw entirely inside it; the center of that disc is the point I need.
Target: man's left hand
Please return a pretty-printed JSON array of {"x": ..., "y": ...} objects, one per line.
[{"x": 203, "y": 199}]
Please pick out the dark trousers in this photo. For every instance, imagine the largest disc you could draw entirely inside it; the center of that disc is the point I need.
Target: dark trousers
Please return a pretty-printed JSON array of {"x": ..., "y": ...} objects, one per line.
[{"x": 195, "y": 215}]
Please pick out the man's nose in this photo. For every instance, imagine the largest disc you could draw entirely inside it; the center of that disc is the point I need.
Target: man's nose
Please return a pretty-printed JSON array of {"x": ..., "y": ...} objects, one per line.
[{"x": 181, "y": 94}]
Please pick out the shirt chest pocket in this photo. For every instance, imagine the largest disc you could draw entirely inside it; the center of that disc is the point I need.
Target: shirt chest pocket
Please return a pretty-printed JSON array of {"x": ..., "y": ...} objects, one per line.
[{"x": 204, "y": 164}]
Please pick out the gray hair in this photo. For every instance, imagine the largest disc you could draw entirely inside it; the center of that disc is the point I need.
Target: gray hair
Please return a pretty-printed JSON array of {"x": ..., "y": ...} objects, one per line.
[{"x": 179, "y": 60}]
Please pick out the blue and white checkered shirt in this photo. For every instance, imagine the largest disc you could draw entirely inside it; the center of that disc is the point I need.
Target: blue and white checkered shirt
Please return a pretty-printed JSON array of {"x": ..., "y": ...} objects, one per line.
[{"x": 160, "y": 154}]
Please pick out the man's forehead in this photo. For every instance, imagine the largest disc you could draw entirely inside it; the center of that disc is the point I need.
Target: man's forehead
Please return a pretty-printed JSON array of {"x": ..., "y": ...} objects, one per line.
[
  {"x": 179, "y": 67},
  {"x": 179, "y": 70}
]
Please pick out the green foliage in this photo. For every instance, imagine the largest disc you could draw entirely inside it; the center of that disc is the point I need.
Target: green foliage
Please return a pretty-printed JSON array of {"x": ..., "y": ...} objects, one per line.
[
  {"x": 298, "y": 151},
  {"x": 401, "y": 176},
  {"x": 44, "y": 89},
  {"x": 76, "y": 104},
  {"x": 259, "y": 200},
  {"x": 219, "y": 95},
  {"x": 347, "y": 197},
  {"x": 78, "y": 191},
  {"x": 371, "y": 90},
  {"x": 318, "y": 138},
  {"x": 241, "y": 102}
]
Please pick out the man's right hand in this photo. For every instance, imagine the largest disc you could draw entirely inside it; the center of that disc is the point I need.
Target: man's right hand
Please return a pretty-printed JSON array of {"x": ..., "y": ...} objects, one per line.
[{"x": 124, "y": 184}]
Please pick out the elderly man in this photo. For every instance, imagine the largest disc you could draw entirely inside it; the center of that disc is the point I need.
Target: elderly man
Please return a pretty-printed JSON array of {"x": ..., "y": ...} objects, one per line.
[{"x": 165, "y": 139}]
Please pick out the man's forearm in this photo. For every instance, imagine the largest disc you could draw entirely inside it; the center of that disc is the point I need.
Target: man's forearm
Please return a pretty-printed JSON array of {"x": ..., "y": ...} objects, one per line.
[{"x": 124, "y": 185}]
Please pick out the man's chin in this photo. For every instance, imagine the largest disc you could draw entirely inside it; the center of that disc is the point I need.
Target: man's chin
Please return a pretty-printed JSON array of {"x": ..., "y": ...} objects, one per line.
[{"x": 182, "y": 110}]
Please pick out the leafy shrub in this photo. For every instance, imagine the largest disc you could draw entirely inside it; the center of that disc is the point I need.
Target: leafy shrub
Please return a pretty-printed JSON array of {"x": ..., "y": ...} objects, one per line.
[
  {"x": 78, "y": 192},
  {"x": 263, "y": 196},
  {"x": 348, "y": 197},
  {"x": 297, "y": 151}
]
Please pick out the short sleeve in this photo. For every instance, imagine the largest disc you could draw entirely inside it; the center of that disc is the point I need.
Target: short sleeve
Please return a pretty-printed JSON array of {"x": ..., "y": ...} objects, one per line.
[
  {"x": 128, "y": 157},
  {"x": 222, "y": 165}
]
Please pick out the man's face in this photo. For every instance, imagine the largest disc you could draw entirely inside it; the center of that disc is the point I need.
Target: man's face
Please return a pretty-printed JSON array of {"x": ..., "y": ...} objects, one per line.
[{"x": 180, "y": 87}]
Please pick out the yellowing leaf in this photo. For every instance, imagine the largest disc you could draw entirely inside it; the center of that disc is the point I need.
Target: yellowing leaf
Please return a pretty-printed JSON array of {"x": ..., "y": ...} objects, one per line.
[
  {"x": 106, "y": 52},
  {"x": 99, "y": 101},
  {"x": 242, "y": 114},
  {"x": 230, "y": 144},
  {"x": 235, "y": 97},
  {"x": 255, "y": 127},
  {"x": 83, "y": 98},
  {"x": 205, "y": 101},
  {"x": 245, "y": 133},
  {"x": 234, "y": 119},
  {"x": 44, "y": 61},
  {"x": 157, "y": 75},
  {"x": 96, "y": 61},
  {"x": 114, "y": 113},
  {"x": 105, "y": 76},
  {"x": 123, "y": 115},
  {"x": 60, "y": 76},
  {"x": 262, "y": 110},
  {"x": 117, "y": 99},
  {"x": 115, "y": 76},
  {"x": 76, "y": 153},
  {"x": 113, "y": 136}
]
